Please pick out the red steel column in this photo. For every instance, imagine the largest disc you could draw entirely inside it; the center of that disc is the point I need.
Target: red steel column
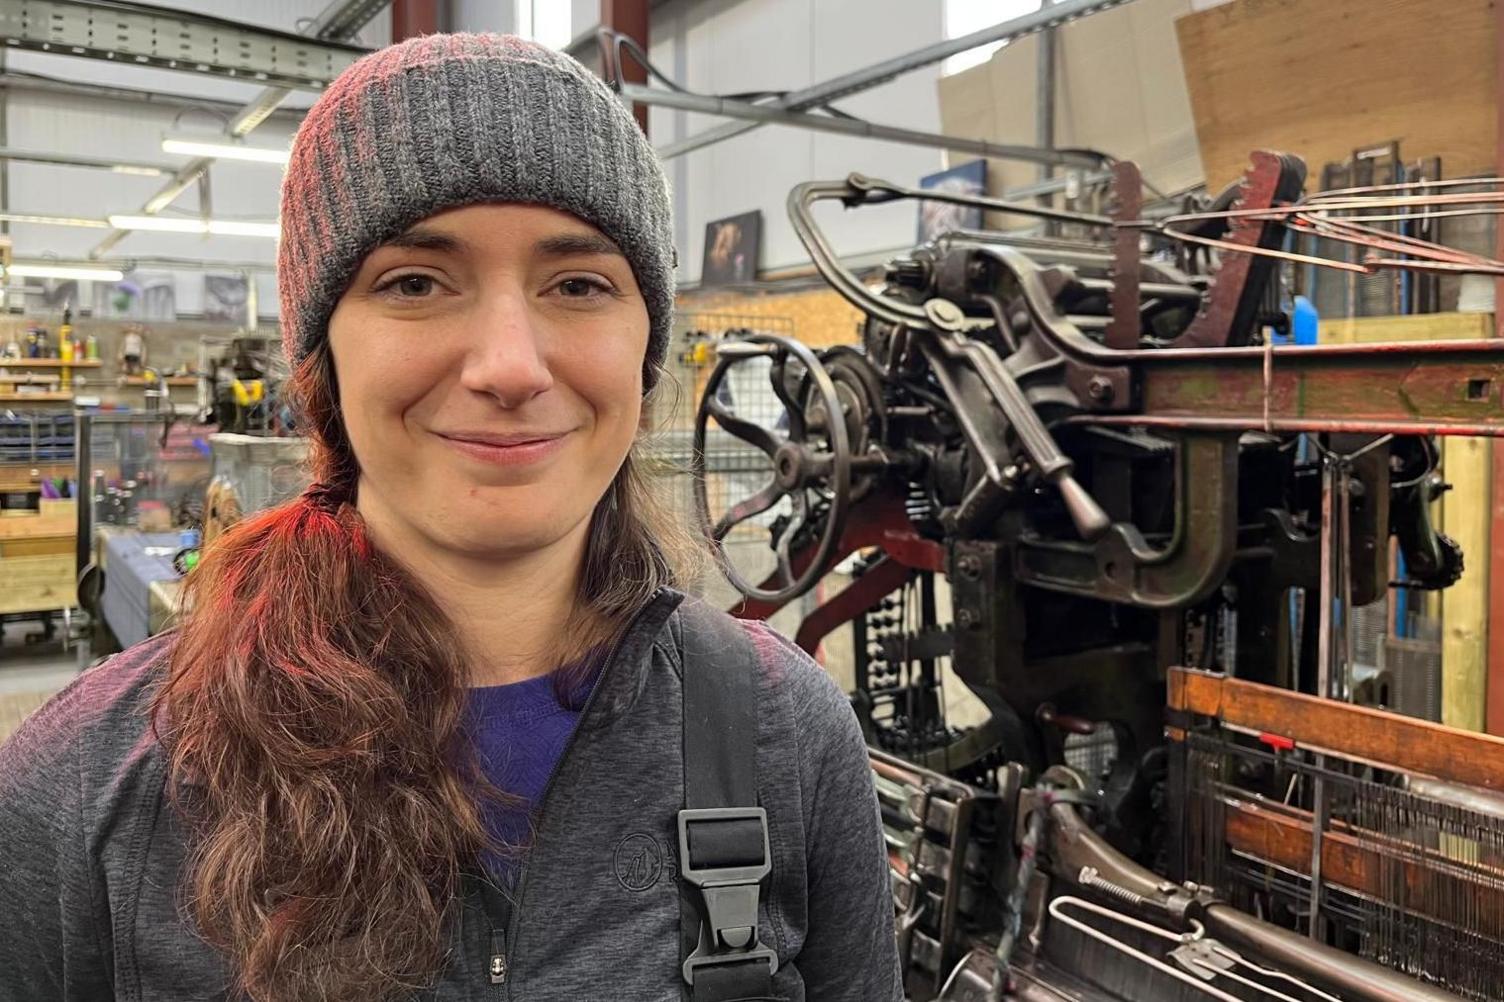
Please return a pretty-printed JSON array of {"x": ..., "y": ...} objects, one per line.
[
  {"x": 630, "y": 17},
  {"x": 411, "y": 18}
]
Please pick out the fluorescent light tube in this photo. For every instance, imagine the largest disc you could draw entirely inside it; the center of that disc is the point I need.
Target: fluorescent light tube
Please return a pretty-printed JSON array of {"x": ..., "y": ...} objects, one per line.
[
  {"x": 170, "y": 224},
  {"x": 64, "y": 271},
  {"x": 225, "y": 150},
  {"x": 184, "y": 224},
  {"x": 244, "y": 228}
]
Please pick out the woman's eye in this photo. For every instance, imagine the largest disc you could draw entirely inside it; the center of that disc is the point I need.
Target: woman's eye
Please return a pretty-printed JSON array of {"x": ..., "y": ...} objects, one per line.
[
  {"x": 581, "y": 288},
  {"x": 410, "y": 286}
]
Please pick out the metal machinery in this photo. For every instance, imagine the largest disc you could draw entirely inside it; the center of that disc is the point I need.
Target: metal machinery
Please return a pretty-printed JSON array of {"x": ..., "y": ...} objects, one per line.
[{"x": 1088, "y": 441}]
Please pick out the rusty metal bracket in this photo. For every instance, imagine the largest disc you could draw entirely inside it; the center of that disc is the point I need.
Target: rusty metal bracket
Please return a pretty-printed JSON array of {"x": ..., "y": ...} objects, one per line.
[
  {"x": 1123, "y": 567},
  {"x": 1228, "y": 311}
]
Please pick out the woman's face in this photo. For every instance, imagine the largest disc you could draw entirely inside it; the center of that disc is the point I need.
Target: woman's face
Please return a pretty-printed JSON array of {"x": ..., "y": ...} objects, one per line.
[{"x": 489, "y": 363}]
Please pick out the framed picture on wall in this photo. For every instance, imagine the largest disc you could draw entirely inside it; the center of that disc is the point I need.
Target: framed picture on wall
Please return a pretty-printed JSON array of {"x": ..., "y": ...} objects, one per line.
[
  {"x": 225, "y": 298},
  {"x": 731, "y": 247},
  {"x": 936, "y": 218}
]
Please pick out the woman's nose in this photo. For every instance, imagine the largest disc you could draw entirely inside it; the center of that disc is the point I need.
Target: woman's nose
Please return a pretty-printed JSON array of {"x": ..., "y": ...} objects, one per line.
[{"x": 506, "y": 359}]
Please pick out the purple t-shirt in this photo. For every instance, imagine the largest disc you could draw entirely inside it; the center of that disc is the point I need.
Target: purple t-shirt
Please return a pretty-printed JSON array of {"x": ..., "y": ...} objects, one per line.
[{"x": 519, "y": 732}]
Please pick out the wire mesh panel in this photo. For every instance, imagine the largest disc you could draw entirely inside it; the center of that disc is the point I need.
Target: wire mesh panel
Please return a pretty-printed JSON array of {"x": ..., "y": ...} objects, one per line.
[{"x": 734, "y": 469}]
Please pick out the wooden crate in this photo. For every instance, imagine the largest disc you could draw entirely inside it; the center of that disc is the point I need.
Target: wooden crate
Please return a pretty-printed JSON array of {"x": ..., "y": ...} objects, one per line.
[
  {"x": 37, "y": 559},
  {"x": 37, "y": 583}
]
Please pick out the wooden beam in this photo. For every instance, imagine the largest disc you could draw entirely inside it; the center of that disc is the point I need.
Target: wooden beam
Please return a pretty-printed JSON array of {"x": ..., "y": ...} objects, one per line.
[
  {"x": 1408, "y": 327},
  {"x": 1465, "y": 516},
  {"x": 1385, "y": 739},
  {"x": 1494, "y": 694},
  {"x": 1495, "y": 684}
]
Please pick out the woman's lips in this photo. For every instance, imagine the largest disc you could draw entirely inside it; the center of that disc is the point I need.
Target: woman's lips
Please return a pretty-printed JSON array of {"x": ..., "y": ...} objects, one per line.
[{"x": 505, "y": 450}]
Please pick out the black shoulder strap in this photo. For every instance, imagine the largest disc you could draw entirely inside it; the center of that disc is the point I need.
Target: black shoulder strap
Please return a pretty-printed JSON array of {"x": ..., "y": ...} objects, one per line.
[{"x": 723, "y": 834}]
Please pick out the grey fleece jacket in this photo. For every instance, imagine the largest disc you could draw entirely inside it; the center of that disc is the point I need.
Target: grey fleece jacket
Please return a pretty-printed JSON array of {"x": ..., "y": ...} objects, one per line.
[{"x": 91, "y": 853}]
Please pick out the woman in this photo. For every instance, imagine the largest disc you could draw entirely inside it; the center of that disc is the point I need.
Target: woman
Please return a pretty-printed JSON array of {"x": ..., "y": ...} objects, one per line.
[{"x": 423, "y": 734}]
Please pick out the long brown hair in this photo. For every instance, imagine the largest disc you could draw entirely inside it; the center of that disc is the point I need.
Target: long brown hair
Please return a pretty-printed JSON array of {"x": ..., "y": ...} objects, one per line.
[{"x": 311, "y": 714}]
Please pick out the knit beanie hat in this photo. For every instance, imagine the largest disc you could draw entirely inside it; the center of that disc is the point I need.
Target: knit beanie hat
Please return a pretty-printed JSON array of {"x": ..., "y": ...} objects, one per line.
[{"x": 441, "y": 121}]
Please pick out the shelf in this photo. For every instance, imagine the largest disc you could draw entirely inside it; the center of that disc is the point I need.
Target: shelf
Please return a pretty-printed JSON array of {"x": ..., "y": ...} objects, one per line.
[
  {"x": 170, "y": 381},
  {"x": 49, "y": 363},
  {"x": 35, "y": 398}
]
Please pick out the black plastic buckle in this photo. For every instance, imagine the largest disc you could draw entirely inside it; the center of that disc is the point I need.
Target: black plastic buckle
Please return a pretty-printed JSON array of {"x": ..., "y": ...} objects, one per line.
[{"x": 729, "y": 933}]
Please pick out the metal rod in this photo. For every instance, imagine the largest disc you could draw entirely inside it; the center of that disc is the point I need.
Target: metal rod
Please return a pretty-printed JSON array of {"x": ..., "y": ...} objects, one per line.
[
  {"x": 80, "y": 160},
  {"x": 1332, "y": 564},
  {"x": 1044, "y": 107},
  {"x": 879, "y": 73},
  {"x": 709, "y": 105}
]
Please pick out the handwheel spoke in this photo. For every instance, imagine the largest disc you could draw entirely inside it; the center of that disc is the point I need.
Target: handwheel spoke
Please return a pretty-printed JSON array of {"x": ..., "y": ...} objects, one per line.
[
  {"x": 747, "y": 431},
  {"x": 786, "y": 538},
  {"x": 745, "y": 509},
  {"x": 792, "y": 406}
]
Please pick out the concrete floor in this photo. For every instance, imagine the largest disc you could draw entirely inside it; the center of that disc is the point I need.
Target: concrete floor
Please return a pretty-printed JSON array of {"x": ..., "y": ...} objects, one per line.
[{"x": 31, "y": 672}]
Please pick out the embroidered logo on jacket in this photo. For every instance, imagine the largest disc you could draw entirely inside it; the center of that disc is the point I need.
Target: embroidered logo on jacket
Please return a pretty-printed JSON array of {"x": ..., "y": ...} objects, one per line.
[{"x": 638, "y": 862}]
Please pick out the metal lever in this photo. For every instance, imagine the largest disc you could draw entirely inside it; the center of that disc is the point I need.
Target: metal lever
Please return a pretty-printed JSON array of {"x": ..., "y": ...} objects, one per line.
[{"x": 1088, "y": 517}]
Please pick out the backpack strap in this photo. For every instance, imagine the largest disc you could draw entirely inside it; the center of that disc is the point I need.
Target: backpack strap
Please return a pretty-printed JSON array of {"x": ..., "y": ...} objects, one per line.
[{"x": 724, "y": 855}]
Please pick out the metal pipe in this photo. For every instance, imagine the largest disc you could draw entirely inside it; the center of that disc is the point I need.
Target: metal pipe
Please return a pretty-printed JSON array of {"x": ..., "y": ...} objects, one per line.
[
  {"x": 709, "y": 105},
  {"x": 1330, "y": 969},
  {"x": 1074, "y": 845},
  {"x": 79, "y": 160},
  {"x": 879, "y": 73},
  {"x": 1044, "y": 106},
  {"x": 1154, "y": 290}
]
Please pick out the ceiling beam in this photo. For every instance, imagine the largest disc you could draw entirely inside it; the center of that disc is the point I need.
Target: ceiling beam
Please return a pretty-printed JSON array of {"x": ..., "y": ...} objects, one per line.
[
  {"x": 339, "y": 21},
  {"x": 138, "y": 35}
]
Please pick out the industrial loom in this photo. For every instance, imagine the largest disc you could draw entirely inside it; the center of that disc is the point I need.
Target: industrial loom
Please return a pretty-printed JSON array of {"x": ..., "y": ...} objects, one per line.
[{"x": 1073, "y": 471}]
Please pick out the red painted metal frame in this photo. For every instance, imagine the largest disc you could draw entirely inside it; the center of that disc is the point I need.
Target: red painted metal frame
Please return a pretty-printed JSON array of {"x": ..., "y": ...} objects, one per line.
[
  {"x": 630, "y": 18},
  {"x": 411, "y": 18},
  {"x": 859, "y": 596},
  {"x": 876, "y": 521},
  {"x": 1212, "y": 326}
]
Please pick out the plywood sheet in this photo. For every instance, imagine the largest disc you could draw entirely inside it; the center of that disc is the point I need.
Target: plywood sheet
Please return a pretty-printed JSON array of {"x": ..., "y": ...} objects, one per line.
[{"x": 1320, "y": 78}]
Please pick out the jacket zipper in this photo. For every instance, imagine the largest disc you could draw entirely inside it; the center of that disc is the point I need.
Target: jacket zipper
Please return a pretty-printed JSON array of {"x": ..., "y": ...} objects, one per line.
[
  {"x": 496, "y": 969},
  {"x": 499, "y": 965}
]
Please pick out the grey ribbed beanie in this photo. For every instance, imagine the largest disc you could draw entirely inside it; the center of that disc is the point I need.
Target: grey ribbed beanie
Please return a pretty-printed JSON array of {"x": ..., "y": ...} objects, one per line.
[{"x": 442, "y": 121}]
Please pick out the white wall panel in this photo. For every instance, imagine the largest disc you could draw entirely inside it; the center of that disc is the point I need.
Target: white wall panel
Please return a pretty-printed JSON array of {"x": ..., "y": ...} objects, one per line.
[
  {"x": 484, "y": 15},
  {"x": 724, "y": 47}
]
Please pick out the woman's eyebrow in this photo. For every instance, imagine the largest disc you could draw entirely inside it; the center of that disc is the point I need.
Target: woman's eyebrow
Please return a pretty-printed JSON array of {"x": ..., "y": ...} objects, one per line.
[
  {"x": 571, "y": 244},
  {"x": 418, "y": 239}
]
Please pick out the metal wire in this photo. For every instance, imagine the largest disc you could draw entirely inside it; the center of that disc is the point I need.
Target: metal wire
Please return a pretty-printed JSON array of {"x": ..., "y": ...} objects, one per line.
[{"x": 1317, "y": 215}]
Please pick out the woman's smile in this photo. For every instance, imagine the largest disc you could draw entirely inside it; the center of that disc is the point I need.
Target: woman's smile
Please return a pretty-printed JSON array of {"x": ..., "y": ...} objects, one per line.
[{"x": 506, "y": 449}]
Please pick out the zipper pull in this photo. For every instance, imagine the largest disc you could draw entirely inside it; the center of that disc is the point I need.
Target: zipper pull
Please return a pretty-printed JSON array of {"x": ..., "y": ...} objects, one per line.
[{"x": 497, "y": 969}]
